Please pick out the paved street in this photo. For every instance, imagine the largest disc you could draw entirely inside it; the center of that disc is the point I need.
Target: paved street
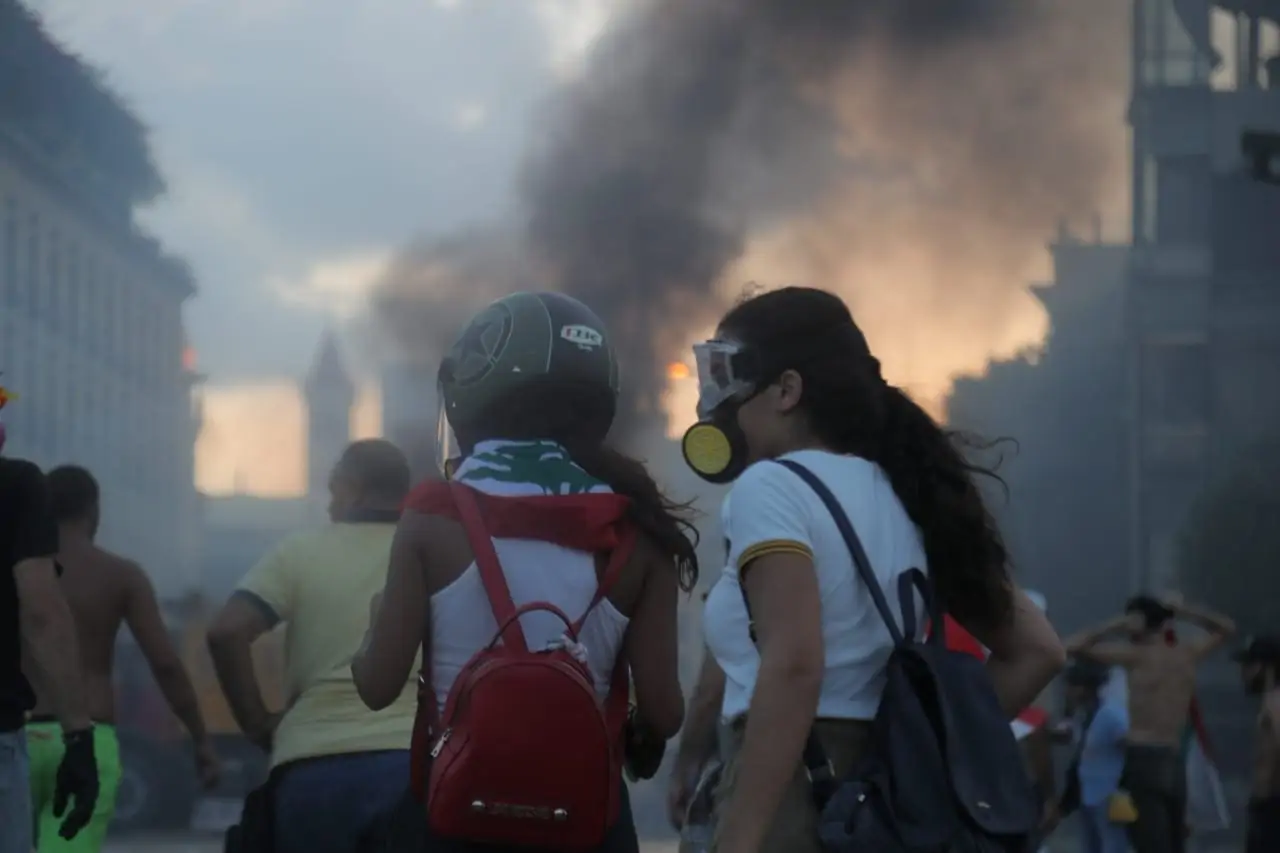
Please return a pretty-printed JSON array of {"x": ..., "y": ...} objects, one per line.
[{"x": 172, "y": 844}]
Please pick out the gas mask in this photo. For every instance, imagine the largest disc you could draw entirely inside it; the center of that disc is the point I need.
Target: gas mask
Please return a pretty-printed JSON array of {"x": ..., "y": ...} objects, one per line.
[{"x": 715, "y": 448}]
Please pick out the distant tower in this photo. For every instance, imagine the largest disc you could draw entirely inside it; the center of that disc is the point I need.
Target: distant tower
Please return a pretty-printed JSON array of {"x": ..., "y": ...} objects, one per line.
[{"x": 329, "y": 394}]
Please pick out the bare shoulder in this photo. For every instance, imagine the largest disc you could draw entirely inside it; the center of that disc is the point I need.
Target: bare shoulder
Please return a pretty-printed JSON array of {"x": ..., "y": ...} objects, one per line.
[
  {"x": 432, "y": 544},
  {"x": 417, "y": 527},
  {"x": 126, "y": 575},
  {"x": 648, "y": 554}
]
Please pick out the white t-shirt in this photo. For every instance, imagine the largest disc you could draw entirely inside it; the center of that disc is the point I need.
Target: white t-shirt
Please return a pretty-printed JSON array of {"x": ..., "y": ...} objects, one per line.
[{"x": 770, "y": 509}]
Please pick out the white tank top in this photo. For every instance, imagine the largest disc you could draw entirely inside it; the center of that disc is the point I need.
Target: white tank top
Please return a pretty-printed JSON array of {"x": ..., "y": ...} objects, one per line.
[{"x": 462, "y": 621}]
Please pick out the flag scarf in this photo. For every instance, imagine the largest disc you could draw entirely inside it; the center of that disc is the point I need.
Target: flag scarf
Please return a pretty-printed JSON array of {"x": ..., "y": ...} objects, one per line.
[
  {"x": 531, "y": 490},
  {"x": 1206, "y": 801}
]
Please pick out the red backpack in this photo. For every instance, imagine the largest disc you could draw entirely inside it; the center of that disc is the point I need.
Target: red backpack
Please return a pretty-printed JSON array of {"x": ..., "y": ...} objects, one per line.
[{"x": 524, "y": 754}]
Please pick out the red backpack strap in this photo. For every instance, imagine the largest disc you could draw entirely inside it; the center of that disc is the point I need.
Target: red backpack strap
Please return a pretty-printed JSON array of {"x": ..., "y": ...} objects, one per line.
[
  {"x": 617, "y": 702},
  {"x": 486, "y": 556},
  {"x": 612, "y": 571}
]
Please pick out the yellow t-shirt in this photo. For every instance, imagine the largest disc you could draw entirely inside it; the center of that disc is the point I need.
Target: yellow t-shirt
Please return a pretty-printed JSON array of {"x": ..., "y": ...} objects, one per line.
[{"x": 319, "y": 584}]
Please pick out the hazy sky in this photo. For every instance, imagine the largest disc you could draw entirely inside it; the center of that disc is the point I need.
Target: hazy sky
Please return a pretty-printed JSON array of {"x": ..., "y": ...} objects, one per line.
[{"x": 303, "y": 142}]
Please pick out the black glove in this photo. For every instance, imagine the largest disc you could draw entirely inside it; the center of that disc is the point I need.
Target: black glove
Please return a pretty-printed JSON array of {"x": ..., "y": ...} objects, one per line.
[
  {"x": 643, "y": 749},
  {"x": 78, "y": 780}
]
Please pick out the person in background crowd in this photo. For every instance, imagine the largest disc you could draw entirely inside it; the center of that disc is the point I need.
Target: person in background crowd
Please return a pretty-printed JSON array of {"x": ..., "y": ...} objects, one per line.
[
  {"x": 1097, "y": 730},
  {"x": 1161, "y": 679},
  {"x": 337, "y": 767},
  {"x": 530, "y": 392},
  {"x": 1259, "y": 661},
  {"x": 789, "y": 376},
  {"x": 103, "y": 591},
  {"x": 37, "y": 629}
]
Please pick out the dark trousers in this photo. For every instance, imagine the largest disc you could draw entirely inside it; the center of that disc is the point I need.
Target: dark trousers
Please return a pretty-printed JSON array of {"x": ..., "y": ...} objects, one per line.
[
  {"x": 407, "y": 831},
  {"x": 338, "y": 803},
  {"x": 1156, "y": 778},
  {"x": 1264, "y": 825}
]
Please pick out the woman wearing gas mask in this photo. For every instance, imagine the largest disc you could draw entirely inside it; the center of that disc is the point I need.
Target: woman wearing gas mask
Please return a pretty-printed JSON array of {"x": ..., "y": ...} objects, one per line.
[{"x": 789, "y": 377}]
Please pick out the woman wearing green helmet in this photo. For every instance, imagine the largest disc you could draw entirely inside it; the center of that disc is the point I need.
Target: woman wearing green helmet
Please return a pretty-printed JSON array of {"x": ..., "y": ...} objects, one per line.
[{"x": 528, "y": 394}]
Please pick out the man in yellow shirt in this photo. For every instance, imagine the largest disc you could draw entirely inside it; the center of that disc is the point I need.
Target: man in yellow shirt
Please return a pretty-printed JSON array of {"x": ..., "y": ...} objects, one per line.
[{"x": 339, "y": 765}]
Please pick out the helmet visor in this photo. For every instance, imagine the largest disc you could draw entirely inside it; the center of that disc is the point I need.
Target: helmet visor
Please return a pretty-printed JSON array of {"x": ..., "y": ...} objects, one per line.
[
  {"x": 448, "y": 451},
  {"x": 719, "y": 378}
]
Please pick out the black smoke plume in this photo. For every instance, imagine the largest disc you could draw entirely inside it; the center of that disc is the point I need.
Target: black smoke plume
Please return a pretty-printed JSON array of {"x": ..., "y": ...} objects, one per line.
[{"x": 914, "y": 154}]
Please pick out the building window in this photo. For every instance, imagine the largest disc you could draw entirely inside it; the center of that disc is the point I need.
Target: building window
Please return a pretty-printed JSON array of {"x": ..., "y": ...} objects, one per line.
[
  {"x": 52, "y": 297},
  {"x": 104, "y": 322},
  {"x": 98, "y": 316},
  {"x": 10, "y": 290},
  {"x": 1176, "y": 384},
  {"x": 121, "y": 346},
  {"x": 1172, "y": 54},
  {"x": 1183, "y": 200},
  {"x": 32, "y": 297},
  {"x": 72, "y": 305}
]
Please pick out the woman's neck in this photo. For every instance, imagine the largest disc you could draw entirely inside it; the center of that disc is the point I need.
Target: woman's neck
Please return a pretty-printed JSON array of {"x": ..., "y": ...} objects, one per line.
[{"x": 803, "y": 443}]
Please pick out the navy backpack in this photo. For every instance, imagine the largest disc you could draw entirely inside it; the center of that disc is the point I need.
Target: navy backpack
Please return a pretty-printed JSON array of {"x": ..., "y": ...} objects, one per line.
[{"x": 943, "y": 772}]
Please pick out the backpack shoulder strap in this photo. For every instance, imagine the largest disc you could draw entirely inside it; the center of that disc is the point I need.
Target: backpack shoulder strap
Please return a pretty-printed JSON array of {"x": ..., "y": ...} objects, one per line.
[
  {"x": 618, "y": 559},
  {"x": 909, "y": 582},
  {"x": 486, "y": 556},
  {"x": 853, "y": 543}
]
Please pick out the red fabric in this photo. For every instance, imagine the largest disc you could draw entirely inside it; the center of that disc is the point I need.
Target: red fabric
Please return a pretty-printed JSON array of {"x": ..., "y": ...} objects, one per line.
[
  {"x": 1196, "y": 716},
  {"x": 960, "y": 640},
  {"x": 1034, "y": 716},
  {"x": 590, "y": 522}
]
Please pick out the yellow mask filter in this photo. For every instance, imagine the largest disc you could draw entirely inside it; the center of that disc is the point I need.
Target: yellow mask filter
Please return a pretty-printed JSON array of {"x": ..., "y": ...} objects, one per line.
[
  {"x": 712, "y": 453},
  {"x": 1121, "y": 809}
]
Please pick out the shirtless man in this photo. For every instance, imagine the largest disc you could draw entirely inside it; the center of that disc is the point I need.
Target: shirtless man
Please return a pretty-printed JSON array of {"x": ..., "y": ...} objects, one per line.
[
  {"x": 1260, "y": 669},
  {"x": 103, "y": 591},
  {"x": 1161, "y": 678}
]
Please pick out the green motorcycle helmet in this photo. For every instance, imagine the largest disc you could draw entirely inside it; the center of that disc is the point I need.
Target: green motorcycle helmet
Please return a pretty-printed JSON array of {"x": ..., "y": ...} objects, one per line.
[{"x": 521, "y": 345}]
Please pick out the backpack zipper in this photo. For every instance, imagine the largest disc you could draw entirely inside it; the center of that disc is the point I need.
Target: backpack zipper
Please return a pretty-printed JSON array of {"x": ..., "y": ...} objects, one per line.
[{"x": 444, "y": 738}]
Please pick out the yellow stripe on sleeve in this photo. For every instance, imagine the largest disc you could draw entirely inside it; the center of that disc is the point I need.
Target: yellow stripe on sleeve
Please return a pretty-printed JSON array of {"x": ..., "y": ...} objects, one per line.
[{"x": 772, "y": 546}]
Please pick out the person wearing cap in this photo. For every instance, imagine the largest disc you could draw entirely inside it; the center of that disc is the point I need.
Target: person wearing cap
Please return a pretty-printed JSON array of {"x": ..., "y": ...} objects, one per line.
[
  {"x": 1259, "y": 660},
  {"x": 1097, "y": 729}
]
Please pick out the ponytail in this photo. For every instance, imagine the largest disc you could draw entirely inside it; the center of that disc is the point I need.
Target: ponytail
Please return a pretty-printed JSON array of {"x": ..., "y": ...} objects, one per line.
[
  {"x": 853, "y": 410},
  {"x": 663, "y": 520},
  {"x": 930, "y": 473}
]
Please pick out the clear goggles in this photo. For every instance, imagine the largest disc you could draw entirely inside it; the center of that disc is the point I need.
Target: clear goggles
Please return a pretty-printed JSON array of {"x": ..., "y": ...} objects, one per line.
[
  {"x": 720, "y": 375},
  {"x": 448, "y": 451}
]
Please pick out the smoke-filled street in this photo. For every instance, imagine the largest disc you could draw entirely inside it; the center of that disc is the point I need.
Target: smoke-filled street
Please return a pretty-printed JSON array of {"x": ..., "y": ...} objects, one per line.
[{"x": 519, "y": 396}]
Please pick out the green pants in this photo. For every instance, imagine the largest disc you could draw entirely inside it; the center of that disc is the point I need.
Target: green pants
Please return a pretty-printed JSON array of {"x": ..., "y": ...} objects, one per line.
[{"x": 44, "y": 745}]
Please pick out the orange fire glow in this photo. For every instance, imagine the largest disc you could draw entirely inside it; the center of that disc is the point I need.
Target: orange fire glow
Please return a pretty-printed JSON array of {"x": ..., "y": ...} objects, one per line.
[
  {"x": 189, "y": 360},
  {"x": 677, "y": 370}
]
